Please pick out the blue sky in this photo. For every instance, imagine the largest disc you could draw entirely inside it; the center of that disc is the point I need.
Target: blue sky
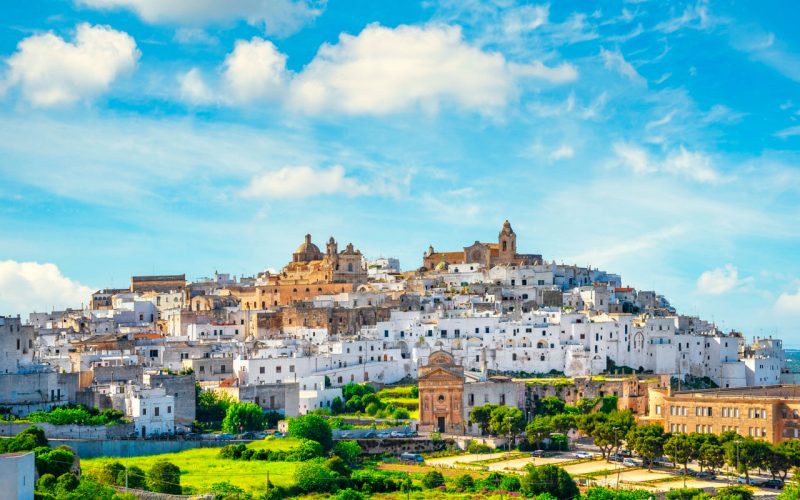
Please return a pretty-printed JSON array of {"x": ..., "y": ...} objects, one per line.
[{"x": 657, "y": 140}]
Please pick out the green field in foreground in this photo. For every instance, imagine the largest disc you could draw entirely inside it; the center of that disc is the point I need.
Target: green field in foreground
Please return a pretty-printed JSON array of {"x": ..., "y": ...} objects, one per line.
[{"x": 202, "y": 467}]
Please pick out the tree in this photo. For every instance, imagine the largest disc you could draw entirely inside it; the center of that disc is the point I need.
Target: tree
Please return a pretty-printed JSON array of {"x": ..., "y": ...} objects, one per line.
[
  {"x": 607, "y": 430},
  {"x": 734, "y": 492},
  {"x": 549, "y": 406},
  {"x": 210, "y": 407},
  {"x": 164, "y": 477},
  {"x": 349, "y": 451},
  {"x": 224, "y": 490},
  {"x": 711, "y": 456},
  {"x": 464, "y": 482},
  {"x": 349, "y": 494},
  {"x": 109, "y": 472},
  {"x": 337, "y": 466},
  {"x": 563, "y": 422},
  {"x": 312, "y": 427},
  {"x": 46, "y": 482},
  {"x": 647, "y": 441},
  {"x": 778, "y": 461},
  {"x": 55, "y": 462},
  {"x": 66, "y": 482},
  {"x": 548, "y": 479},
  {"x": 510, "y": 483},
  {"x": 507, "y": 421},
  {"x": 313, "y": 476},
  {"x": 679, "y": 449},
  {"x": 482, "y": 415},
  {"x": 538, "y": 430},
  {"x": 306, "y": 450},
  {"x": 241, "y": 417},
  {"x": 745, "y": 454},
  {"x": 433, "y": 479}
]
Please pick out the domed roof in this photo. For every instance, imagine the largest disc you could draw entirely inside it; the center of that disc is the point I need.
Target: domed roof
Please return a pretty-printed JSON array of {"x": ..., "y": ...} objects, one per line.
[{"x": 307, "y": 247}]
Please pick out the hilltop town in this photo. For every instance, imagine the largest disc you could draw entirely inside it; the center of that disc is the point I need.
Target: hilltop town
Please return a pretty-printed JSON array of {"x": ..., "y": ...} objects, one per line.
[{"x": 290, "y": 341}]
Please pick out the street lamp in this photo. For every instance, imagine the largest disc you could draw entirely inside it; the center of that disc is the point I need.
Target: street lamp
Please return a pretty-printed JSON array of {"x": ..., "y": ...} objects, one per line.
[
  {"x": 737, "y": 458},
  {"x": 616, "y": 464}
]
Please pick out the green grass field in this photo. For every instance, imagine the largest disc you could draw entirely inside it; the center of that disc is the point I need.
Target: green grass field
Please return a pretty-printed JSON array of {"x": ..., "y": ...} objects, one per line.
[
  {"x": 401, "y": 396},
  {"x": 202, "y": 467}
]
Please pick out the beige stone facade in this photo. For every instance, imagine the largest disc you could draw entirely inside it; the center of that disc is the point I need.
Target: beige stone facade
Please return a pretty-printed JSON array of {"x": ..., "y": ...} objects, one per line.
[
  {"x": 487, "y": 254},
  {"x": 771, "y": 413},
  {"x": 441, "y": 394}
]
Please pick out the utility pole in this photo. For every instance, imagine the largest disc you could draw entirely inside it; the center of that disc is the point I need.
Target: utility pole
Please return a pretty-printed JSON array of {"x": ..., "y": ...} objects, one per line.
[{"x": 267, "y": 481}]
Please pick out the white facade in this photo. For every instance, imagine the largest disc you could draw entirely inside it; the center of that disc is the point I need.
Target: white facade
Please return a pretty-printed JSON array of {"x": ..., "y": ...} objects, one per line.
[{"x": 152, "y": 410}]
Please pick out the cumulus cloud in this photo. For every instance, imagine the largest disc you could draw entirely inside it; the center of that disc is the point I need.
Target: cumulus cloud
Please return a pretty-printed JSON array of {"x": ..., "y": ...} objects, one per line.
[
  {"x": 718, "y": 281},
  {"x": 384, "y": 70},
  {"x": 30, "y": 286},
  {"x": 295, "y": 182},
  {"x": 788, "y": 303},
  {"x": 254, "y": 70},
  {"x": 51, "y": 71},
  {"x": 615, "y": 61},
  {"x": 278, "y": 17},
  {"x": 680, "y": 162}
]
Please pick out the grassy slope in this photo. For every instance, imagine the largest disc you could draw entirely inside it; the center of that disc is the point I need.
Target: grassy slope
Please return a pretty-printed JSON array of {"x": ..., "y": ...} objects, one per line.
[{"x": 202, "y": 467}]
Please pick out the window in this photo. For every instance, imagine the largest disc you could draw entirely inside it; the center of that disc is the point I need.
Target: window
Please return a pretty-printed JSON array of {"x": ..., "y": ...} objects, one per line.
[
  {"x": 144, "y": 410},
  {"x": 169, "y": 408},
  {"x": 261, "y": 370},
  {"x": 441, "y": 398},
  {"x": 277, "y": 369},
  {"x": 156, "y": 411},
  {"x": 291, "y": 368}
]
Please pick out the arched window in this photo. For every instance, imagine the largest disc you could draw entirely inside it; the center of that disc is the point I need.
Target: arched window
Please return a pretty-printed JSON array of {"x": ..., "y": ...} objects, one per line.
[
  {"x": 504, "y": 245},
  {"x": 350, "y": 267},
  {"x": 441, "y": 397}
]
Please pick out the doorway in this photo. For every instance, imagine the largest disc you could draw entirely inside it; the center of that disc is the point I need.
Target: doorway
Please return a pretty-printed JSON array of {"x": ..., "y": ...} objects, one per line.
[{"x": 440, "y": 424}]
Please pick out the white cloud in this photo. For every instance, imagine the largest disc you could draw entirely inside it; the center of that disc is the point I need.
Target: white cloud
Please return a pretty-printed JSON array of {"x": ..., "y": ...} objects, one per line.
[
  {"x": 254, "y": 70},
  {"x": 384, "y": 70},
  {"x": 194, "y": 36},
  {"x": 50, "y": 71},
  {"x": 193, "y": 88},
  {"x": 788, "y": 303},
  {"x": 525, "y": 19},
  {"x": 615, "y": 61},
  {"x": 788, "y": 132},
  {"x": 303, "y": 182},
  {"x": 563, "y": 152},
  {"x": 693, "y": 16},
  {"x": 681, "y": 162},
  {"x": 660, "y": 122},
  {"x": 718, "y": 281},
  {"x": 30, "y": 286},
  {"x": 279, "y": 17}
]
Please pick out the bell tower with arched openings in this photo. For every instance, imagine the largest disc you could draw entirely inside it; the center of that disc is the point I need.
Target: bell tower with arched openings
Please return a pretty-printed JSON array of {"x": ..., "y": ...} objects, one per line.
[{"x": 507, "y": 244}]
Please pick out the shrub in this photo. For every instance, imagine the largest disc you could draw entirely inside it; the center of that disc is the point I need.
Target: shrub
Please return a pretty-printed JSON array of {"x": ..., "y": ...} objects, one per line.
[
  {"x": 349, "y": 451},
  {"x": 313, "y": 476},
  {"x": 226, "y": 491},
  {"x": 476, "y": 448},
  {"x": 337, "y": 465},
  {"x": 306, "y": 450},
  {"x": 433, "y": 479},
  {"x": 137, "y": 479},
  {"x": 401, "y": 413},
  {"x": 66, "y": 482},
  {"x": 55, "y": 462},
  {"x": 464, "y": 482},
  {"x": 31, "y": 438},
  {"x": 548, "y": 479},
  {"x": 734, "y": 492},
  {"x": 109, "y": 473},
  {"x": 164, "y": 477},
  {"x": 510, "y": 483},
  {"x": 684, "y": 494},
  {"x": 46, "y": 482},
  {"x": 349, "y": 494}
]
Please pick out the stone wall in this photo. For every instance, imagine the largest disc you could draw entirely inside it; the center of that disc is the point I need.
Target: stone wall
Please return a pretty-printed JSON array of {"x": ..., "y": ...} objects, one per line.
[
  {"x": 378, "y": 446},
  {"x": 70, "y": 431}
]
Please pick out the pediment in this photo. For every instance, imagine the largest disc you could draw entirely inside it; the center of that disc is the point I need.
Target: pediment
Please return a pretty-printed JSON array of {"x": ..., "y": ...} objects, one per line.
[{"x": 441, "y": 374}]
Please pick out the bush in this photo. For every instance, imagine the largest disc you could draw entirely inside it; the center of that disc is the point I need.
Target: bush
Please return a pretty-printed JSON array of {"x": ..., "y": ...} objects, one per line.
[
  {"x": 433, "y": 479},
  {"x": 137, "y": 479},
  {"x": 314, "y": 476},
  {"x": 306, "y": 450},
  {"x": 28, "y": 440},
  {"x": 337, "y": 466},
  {"x": 684, "y": 494},
  {"x": 401, "y": 413},
  {"x": 312, "y": 427},
  {"x": 349, "y": 494},
  {"x": 349, "y": 451},
  {"x": 476, "y": 448},
  {"x": 464, "y": 482},
  {"x": 55, "y": 462},
  {"x": 227, "y": 491},
  {"x": 164, "y": 477},
  {"x": 510, "y": 483},
  {"x": 548, "y": 479},
  {"x": 734, "y": 492},
  {"x": 109, "y": 473},
  {"x": 46, "y": 482},
  {"x": 66, "y": 482}
]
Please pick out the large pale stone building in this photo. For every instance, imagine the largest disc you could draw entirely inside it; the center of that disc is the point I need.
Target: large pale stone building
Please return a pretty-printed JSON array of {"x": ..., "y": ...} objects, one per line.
[
  {"x": 441, "y": 393},
  {"x": 487, "y": 254}
]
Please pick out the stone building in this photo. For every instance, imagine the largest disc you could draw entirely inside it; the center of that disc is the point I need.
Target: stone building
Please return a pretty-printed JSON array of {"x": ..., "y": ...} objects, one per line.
[
  {"x": 771, "y": 413},
  {"x": 441, "y": 394},
  {"x": 163, "y": 283},
  {"x": 504, "y": 252}
]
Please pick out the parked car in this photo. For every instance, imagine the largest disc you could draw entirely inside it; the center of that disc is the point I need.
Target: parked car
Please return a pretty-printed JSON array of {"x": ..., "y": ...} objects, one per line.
[
  {"x": 412, "y": 457},
  {"x": 616, "y": 457},
  {"x": 774, "y": 484},
  {"x": 371, "y": 434},
  {"x": 630, "y": 462},
  {"x": 225, "y": 436},
  {"x": 346, "y": 435},
  {"x": 383, "y": 435},
  {"x": 537, "y": 453},
  {"x": 584, "y": 454},
  {"x": 247, "y": 435},
  {"x": 706, "y": 475},
  {"x": 743, "y": 480},
  {"x": 398, "y": 434},
  {"x": 625, "y": 452}
]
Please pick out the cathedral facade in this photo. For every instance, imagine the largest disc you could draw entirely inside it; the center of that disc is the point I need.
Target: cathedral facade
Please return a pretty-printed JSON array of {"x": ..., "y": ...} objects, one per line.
[{"x": 504, "y": 252}]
